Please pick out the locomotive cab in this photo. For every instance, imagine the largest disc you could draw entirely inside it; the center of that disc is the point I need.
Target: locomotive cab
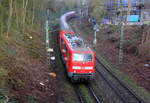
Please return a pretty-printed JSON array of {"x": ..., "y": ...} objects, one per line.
[
  {"x": 78, "y": 58},
  {"x": 82, "y": 65}
]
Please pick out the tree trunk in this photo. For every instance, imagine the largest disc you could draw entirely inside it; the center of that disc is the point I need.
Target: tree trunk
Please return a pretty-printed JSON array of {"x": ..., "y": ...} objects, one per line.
[
  {"x": 16, "y": 14},
  {"x": 1, "y": 29},
  {"x": 10, "y": 16},
  {"x": 24, "y": 13},
  {"x": 33, "y": 14},
  {"x": 1, "y": 21}
]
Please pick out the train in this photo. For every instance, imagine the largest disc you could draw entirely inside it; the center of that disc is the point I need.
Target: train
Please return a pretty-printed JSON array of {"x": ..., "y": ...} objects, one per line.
[{"x": 78, "y": 57}]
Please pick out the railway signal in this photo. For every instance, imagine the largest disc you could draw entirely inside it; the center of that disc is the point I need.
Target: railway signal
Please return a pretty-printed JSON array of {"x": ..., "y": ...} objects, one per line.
[{"x": 96, "y": 29}]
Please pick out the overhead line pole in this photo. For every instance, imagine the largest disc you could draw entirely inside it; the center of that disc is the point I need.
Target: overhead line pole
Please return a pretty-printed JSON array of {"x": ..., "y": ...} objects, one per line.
[
  {"x": 129, "y": 7},
  {"x": 121, "y": 34}
]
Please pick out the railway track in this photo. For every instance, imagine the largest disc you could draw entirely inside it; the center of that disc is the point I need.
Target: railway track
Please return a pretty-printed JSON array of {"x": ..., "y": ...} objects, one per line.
[
  {"x": 96, "y": 98},
  {"x": 77, "y": 87},
  {"x": 81, "y": 97},
  {"x": 121, "y": 90},
  {"x": 78, "y": 93}
]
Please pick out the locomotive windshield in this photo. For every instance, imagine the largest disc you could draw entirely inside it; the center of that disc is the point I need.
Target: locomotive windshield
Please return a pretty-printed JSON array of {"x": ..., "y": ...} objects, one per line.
[{"x": 82, "y": 57}]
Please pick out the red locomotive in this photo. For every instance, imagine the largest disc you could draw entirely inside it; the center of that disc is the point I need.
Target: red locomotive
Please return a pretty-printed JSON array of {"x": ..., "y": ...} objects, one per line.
[{"x": 77, "y": 56}]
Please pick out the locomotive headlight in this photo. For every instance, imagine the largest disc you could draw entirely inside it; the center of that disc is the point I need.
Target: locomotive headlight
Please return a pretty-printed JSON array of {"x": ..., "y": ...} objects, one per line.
[
  {"x": 76, "y": 67},
  {"x": 88, "y": 67}
]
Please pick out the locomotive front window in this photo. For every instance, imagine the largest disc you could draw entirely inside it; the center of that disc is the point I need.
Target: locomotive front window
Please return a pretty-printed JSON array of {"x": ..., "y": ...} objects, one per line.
[
  {"x": 78, "y": 57},
  {"x": 87, "y": 57},
  {"x": 82, "y": 57}
]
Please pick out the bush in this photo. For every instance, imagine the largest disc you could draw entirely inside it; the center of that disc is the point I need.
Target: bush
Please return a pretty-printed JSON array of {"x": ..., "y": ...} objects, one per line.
[{"x": 144, "y": 49}]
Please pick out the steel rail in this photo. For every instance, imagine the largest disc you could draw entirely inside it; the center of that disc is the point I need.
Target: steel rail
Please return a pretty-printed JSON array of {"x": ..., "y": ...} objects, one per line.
[
  {"x": 93, "y": 94},
  {"x": 78, "y": 93},
  {"x": 124, "y": 96},
  {"x": 112, "y": 87}
]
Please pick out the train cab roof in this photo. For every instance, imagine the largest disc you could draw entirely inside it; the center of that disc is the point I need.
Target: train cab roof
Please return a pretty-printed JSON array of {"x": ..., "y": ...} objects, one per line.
[{"x": 76, "y": 43}]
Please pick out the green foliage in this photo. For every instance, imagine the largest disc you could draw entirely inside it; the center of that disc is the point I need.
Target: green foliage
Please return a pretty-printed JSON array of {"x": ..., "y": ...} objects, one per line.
[
  {"x": 62, "y": 5},
  {"x": 70, "y": 3},
  {"x": 97, "y": 9},
  {"x": 19, "y": 12},
  {"x": 31, "y": 99},
  {"x": 3, "y": 72},
  {"x": 4, "y": 98}
]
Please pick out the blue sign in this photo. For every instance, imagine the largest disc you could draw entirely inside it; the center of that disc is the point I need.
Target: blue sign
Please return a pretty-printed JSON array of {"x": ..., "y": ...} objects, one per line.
[
  {"x": 133, "y": 18},
  {"x": 125, "y": 2}
]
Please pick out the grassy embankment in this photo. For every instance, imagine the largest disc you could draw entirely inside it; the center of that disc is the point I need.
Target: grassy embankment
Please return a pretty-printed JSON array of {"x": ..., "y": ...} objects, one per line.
[{"x": 21, "y": 37}]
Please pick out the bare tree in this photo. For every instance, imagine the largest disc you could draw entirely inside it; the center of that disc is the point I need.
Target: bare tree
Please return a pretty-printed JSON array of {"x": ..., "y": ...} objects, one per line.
[
  {"x": 25, "y": 3},
  {"x": 98, "y": 10},
  {"x": 33, "y": 12},
  {"x": 1, "y": 29},
  {"x": 16, "y": 14},
  {"x": 10, "y": 16},
  {"x": 1, "y": 21}
]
